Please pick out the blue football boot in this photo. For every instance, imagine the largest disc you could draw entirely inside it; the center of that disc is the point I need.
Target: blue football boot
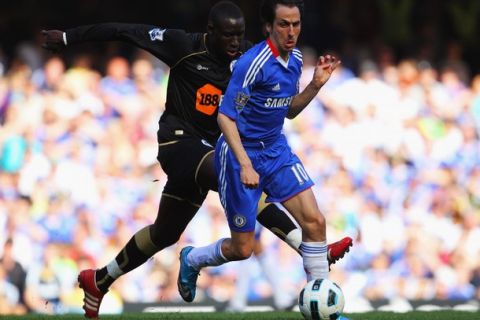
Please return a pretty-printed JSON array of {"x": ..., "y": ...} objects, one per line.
[{"x": 187, "y": 277}]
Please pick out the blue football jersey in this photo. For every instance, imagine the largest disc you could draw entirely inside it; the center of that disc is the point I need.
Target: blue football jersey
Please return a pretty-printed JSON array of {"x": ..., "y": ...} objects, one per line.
[{"x": 260, "y": 92}]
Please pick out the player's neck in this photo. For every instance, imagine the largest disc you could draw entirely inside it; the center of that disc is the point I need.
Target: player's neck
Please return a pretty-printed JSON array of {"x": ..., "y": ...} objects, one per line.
[
  {"x": 276, "y": 49},
  {"x": 212, "y": 50}
]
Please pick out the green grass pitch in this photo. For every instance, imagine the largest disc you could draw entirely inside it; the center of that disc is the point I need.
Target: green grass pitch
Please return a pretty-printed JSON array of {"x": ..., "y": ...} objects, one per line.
[{"x": 437, "y": 315}]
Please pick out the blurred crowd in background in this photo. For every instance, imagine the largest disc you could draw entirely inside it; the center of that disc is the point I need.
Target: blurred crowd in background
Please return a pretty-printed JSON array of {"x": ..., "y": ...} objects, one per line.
[
  {"x": 392, "y": 146},
  {"x": 393, "y": 149}
]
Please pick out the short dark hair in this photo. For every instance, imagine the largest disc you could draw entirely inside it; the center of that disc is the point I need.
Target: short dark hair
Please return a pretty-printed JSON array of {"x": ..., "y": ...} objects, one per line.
[
  {"x": 267, "y": 10},
  {"x": 222, "y": 10}
]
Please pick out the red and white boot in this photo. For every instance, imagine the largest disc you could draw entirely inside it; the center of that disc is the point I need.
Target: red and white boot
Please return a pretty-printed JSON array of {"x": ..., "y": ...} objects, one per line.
[
  {"x": 92, "y": 296},
  {"x": 337, "y": 250}
]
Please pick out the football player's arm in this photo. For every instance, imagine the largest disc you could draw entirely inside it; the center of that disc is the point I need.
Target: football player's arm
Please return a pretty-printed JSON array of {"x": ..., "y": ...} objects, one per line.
[
  {"x": 248, "y": 176},
  {"x": 166, "y": 44},
  {"x": 323, "y": 70},
  {"x": 234, "y": 100}
]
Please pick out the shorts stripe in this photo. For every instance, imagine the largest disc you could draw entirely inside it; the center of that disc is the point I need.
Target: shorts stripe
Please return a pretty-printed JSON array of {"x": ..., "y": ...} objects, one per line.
[{"x": 222, "y": 176}]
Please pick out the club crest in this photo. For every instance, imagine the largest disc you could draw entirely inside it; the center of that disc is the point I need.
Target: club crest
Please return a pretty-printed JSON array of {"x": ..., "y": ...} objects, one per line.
[{"x": 239, "y": 220}]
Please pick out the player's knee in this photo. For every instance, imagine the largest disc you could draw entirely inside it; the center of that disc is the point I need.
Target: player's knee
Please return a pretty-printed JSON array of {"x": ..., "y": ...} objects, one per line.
[
  {"x": 163, "y": 239},
  {"x": 242, "y": 252},
  {"x": 170, "y": 240}
]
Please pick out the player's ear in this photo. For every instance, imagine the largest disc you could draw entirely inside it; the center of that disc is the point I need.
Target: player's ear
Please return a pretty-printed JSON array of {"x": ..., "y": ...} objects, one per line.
[
  {"x": 210, "y": 28},
  {"x": 267, "y": 29}
]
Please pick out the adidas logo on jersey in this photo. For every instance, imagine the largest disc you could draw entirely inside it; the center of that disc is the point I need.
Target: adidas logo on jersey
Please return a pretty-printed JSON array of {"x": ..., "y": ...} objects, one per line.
[{"x": 276, "y": 87}]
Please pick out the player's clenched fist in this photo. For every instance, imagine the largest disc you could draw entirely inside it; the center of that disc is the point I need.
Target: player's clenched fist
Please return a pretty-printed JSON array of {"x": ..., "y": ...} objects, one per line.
[{"x": 249, "y": 177}]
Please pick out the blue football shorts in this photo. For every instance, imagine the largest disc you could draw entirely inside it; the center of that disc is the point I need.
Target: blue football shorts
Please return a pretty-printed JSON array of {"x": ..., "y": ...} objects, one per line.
[{"x": 282, "y": 176}]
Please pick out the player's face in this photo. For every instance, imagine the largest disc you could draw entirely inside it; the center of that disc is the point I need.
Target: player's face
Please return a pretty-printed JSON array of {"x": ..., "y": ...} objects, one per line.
[
  {"x": 227, "y": 37},
  {"x": 285, "y": 29}
]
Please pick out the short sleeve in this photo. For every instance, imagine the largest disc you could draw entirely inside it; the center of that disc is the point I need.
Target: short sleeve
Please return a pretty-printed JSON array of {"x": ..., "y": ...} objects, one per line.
[{"x": 239, "y": 88}]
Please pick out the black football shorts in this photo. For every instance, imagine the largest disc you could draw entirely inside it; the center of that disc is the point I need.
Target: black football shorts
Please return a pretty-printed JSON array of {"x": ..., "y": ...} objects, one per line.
[{"x": 180, "y": 160}]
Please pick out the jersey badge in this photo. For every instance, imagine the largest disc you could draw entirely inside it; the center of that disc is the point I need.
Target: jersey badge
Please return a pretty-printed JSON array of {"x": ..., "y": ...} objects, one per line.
[
  {"x": 241, "y": 100},
  {"x": 276, "y": 87},
  {"x": 156, "y": 34}
]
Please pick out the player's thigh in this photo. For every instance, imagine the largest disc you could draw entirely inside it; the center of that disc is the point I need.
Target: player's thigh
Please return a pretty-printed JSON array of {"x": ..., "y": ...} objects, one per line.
[
  {"x": 262, "y": 203},
  {"x": 206, "y": 176},
  {"x": 285, "y": 178},
  {"x": 303, "y": 206},
  {"x": 181, "y": 162},
  {"x": 240, "y": 203}
]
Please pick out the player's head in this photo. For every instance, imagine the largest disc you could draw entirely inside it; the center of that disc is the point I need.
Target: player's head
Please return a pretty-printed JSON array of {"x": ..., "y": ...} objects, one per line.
[
  {"x": 226, "y": 28},
  {"x": 282, "y": 22}
]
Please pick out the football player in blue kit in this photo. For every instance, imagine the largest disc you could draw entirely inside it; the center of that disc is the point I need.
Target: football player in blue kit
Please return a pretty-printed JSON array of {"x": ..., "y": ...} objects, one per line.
[{"x": 253, "y": 156}]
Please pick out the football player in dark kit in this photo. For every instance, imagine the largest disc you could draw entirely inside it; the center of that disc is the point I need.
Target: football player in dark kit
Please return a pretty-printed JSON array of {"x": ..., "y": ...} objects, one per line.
[{"x": 188, "y": 130}]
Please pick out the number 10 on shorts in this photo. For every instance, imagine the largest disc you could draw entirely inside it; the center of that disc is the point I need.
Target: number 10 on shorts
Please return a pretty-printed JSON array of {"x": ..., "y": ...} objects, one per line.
[{"x": 300, "y": 173}]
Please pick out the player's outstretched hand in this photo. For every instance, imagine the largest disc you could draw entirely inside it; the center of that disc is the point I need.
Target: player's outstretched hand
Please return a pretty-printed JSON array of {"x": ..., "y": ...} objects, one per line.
[
  {"x": 324, "y": 69},
  {"x": 53, "y": 40}
]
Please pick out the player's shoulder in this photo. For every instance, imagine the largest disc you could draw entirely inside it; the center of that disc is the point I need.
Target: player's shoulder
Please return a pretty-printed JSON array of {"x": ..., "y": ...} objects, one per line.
[
  {"x": 257, "y": 49},
  {"x": 196, "y": 38},
  {"x": 245, "y": 45},
  {"x": 198, "y": 41},
  {"x": 252, "y": 55}
]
